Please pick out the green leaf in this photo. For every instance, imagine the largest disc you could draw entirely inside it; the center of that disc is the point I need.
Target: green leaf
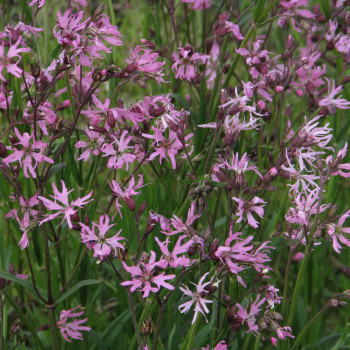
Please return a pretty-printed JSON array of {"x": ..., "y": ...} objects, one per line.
[
  {"x": 24, "y": 283},
  {"x": 56, "y": 168},
  {"x": 72, "y": 290}
]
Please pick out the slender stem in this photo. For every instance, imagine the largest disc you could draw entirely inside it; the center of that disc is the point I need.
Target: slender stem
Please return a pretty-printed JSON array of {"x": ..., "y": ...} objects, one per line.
[
  {"x": 133, "y": 315},
  {"x": 33, "y": 277},
  {"x": 159, "y": 321}
]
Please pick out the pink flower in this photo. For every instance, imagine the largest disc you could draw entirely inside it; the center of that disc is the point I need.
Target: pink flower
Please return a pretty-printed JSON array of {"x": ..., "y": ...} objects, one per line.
[
  {"x": 284, "y": 332},
  {"x": 72, "y": 329},
  {"x": 145, "y": 275},
  {"x": 180, "y": 226},
  {"x": 197, "y": 298},
  {"x": 93, "y": 146},
  {"x": 198, "y": 4},
  {"x": 25, "y": 153},
  {"x": 101, "y": 245},
  {"x": 128, "y": 192},
  {"x": 336, "y": 232},
  {"x": 166, "y": 148},
  {"x": 219, "y": 346},
  {"x": 184, "y": 66},
  {"x": 337, "y": 167},
  {"x": 66, "y": 208},
  {"x": 145, "y": 60},
  {"x": 40, "y": 3},
  {"x": 250, "y": 207},
  {"x": 330, "y": 100},
  {"x": 306, "y": 206},
  {"x": 250, "y": 317},
  {"x": 240, "y": 166},
  {"x": 240, "y": 256},
  {"x": 241, "y": 103},
  {"x": 117, "y": 152},
  {"x": 172, "y": 259}
]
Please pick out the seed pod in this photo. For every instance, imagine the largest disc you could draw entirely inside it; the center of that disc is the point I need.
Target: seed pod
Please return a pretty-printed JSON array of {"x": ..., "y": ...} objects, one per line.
[{"x": 146, "y": 327}]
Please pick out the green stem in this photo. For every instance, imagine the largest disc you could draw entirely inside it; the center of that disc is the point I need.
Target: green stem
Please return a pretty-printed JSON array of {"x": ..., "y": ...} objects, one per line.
[{"x": 309, "y": 324}]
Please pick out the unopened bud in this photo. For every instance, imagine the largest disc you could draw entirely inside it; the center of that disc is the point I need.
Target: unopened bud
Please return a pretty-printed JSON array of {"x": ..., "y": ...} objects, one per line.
[
  {"x": 234, "y": 110},
  {"x": 148, "y": 43},
  {"x": 13, "y": 139},
  {"x": 98, "y": 129},
  {"x": 223, "y": 96},
  {"x": 332, "y": 212},
  {"x": 213, "y": 248},
  {"x": 99, "y": 10},
  {"x": 3, "y": 150},
  {"x": 110, "y": 119},
  {"x": 192, "y": 250},
  {"x": 290, "y": 42}
]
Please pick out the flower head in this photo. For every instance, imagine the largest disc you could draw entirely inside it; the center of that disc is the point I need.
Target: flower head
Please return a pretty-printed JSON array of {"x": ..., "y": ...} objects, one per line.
[
  {"x": 66, "y": 208},
  {"x": 197, "y": 298},
  {"x": 72, "y": 329},
  {"x": 98, "y": 241}
]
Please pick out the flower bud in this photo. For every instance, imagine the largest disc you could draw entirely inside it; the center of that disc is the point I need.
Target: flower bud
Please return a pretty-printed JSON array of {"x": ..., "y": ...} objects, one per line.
[
  {"x": 332, "y": 212},
  {"x": 99, "y": 9},
  {"x": 3, "y": 150},
  {"x": 223, "y": 96},
  {"x": 110, "y": 119},
  {"x": 98, "y": 129}
]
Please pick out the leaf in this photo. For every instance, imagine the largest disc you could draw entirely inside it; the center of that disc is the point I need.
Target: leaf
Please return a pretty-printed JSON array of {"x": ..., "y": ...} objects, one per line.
[
  {"x": 72, "y": 290},
  {"x": 56, "y": 168},
  {"x": 24, "y": 283}
]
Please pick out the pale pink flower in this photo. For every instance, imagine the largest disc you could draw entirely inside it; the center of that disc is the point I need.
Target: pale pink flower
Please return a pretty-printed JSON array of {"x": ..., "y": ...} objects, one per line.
[
  {"x": 184, "y": 66},
  {"x": 92, "y": 147},
  {"x": 240, "y": 166},
  {"x": 306, "y": 206},
  {"x": 197, "y": 298},
  {"x": 172, "y": 259},
  {"x": 40, "y": 3},
  {"x": 128, "y": 192},
  {"x": 180, "y": 226},
  {"x": 337, "y": 231},
  {"x": 250, "y": 317},
  {"x": 241, "y": 102},
  {"x": 284, "y": 332},
  {"x": 67, "y": 209},
  {"x": 331, "y": 99},
  {"x": 145, "y": 60},
  {"x": 27, "y": 150},
  {"x": 238, "y": 254},
  {"x": 72, "y": 329},
  {"x": 117, "y": 152},
  {"x": 145, "y": 275},
  {"x": 249, "y": 207},
  {"x": 98, "y": 241},
  {"x": 198, "y": 4},
  {"x": 337, "y": 167},
  {"x": 219, "y": 346}
]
